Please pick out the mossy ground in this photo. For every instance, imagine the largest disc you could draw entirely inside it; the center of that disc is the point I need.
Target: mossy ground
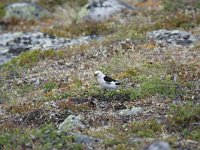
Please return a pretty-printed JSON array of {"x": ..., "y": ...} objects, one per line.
[
  {"x": 46, "y": 137},
  {"x": 163, "y": 81}
]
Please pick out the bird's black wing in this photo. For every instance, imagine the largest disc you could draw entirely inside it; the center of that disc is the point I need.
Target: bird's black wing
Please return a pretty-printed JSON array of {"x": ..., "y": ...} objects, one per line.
[{"x": 109, "y": 79}]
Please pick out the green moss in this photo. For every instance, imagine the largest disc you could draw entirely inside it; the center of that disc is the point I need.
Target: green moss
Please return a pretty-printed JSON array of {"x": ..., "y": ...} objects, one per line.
[
  {"x": 3, "y": 4},
  {"x": 30, "y": 58},
  {"x": 132, "y": 31},
  {"x": 63, "y": 95},
  {"x": 121, "y": 147},
  {"x": 182, "y": 118},
  {"x": 156, "y": 85},
  {"x": 195, "y": 135},
  {"x": 112, "y": 142},
  {"x": 24, "y": 89},
  {"x": 18, "y": 66},
  {"x": 150, "y": 128},
  {"x": 2, "y": 11},
  {"x": 150, "y": 86},
  {"x": 177, "y": 20},
  {"x": 171, "y": 5},
  {"x": 12, "y": 95},
  {"x": 50, "y": 86},
  {"x": 50, "y": 4},
  {"x": 121, "y": 135},
  {"x": 46, "y": 137}
]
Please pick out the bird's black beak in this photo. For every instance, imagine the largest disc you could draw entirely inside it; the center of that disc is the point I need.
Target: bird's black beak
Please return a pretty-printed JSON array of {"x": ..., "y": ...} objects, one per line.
[{"x": 95, "y": 75}]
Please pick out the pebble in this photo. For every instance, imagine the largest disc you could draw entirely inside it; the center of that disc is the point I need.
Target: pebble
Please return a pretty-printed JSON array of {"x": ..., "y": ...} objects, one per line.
[{"x": 159, "y": 145}]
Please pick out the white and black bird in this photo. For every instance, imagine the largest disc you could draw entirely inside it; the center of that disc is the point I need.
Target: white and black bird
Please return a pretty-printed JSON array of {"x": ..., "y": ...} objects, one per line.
[{"x": 106, "y": 82}]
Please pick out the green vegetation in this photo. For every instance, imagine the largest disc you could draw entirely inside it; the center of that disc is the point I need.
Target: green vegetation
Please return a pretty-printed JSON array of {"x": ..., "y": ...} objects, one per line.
[
  {"x": 184, "y": 116},
  {"x": 150, "y": 128},
  {"x": 155, "y": 85},
  {"x": 195, "y": 135},
  {"x": 113, "y": 142},
  {"x": 176, "y": 20},
  {"x": 30, "y": 58},
  {"x": 82, "y": 29},
  {"x": 185, "y": 119},
  {"x": 171, "y": 5},
  {"x": 2, "y": 11},
  {"x": 50, "y": 86},
  {"x": 4, "y": 3},
  {"x": 51, "y": 4},
  {"x": 46, "y": 137},
  {"x": 18, "y": 66},
  {"x": 120, "y": 135}
]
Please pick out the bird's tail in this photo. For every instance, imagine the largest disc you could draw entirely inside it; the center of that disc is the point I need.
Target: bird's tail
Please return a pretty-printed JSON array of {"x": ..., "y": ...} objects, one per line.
[{"x": 118, "y": 83}]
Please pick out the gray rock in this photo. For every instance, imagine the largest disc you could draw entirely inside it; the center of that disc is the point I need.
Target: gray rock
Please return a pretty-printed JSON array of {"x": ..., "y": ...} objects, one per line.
[
  {"x": 2, "y": 112},
  {"x": 172, "y": 37},
  {"x": 132, "y": 111},
  {"x": 4, "y": 55},
  {"x": 70, "y": 123},
  {"x": 12, "y": 44},
  {"x": 159, "y": 145},
  {"x": 27, "y": 11},
  {"x": 99, "y": 10},
  {"x": 84, "y": 139}
]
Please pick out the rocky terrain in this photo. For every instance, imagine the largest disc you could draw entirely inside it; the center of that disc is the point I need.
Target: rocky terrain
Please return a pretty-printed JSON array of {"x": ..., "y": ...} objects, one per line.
[{"x": 50, "y": 99}]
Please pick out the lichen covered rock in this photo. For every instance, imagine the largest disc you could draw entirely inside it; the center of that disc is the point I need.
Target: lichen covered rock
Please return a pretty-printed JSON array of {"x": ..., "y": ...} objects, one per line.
[
  {"x": 99, "y": 10},
  {"x": 172, "y": 37},
  {"x": 26, "y": 11},
  {"x": 132, "y": 111},
  {"x": 13, "y": 43},
  {"x": 159, "y": 145},
  {"x": 70, "y": 123}
]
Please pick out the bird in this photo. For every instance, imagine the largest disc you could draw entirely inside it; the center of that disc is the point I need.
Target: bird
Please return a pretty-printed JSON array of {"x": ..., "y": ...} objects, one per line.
[{"x": 106, "y": 82}]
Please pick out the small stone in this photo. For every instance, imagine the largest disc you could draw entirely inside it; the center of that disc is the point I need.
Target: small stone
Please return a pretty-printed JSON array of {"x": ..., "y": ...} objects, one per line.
[
  {"x": 19, "y": 82},
  {"x": 2, "y": 112},
  {"x": 70, "y": 123},
  {"x": 159, "y": 145},
  {"x": 37, "y": 83},
  {"x": 61, "y": 62},
  {"x": 33, "y": 80},
  {"x": 69, "y": 64},
  {"x": 132, "y": 111},
  {"x": 84, "y": 139}
]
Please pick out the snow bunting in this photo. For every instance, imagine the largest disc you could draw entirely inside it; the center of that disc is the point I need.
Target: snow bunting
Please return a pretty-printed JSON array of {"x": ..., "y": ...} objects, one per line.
[{"x": 106, "y": 82}]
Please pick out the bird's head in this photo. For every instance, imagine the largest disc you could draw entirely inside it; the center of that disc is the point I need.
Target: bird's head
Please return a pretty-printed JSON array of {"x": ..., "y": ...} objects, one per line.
[{"x": 98, "y": 74}]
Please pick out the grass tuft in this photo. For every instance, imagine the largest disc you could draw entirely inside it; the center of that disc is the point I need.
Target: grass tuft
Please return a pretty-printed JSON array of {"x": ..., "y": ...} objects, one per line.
[
  {"x": 38, "y": 139},
  {"x": 185, "y": 119},
  {"x": 150, "y": 128},
  {"x": 171, "y": 5}
]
